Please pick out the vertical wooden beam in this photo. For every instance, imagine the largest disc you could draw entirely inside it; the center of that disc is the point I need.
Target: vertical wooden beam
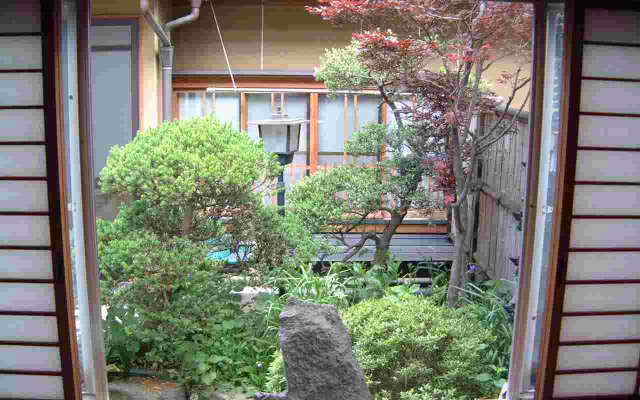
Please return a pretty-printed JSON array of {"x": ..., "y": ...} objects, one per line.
[
  {"x": 244, "y": 112},
  {"x": 175, "y": 105},
  {"x": 346, "y": 135},
  {"x": 58, "y": 225},
  {"x": 314, "y": 137},
  {"x": 563, "y": 207}
]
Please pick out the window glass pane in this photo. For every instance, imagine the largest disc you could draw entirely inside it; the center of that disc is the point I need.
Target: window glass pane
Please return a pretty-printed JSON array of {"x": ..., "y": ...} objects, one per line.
[{"x": 546, "y": 190}]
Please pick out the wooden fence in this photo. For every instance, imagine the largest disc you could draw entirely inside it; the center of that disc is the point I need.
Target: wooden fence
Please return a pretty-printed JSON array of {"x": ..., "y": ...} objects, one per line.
[{"x": 503, "y": 170}]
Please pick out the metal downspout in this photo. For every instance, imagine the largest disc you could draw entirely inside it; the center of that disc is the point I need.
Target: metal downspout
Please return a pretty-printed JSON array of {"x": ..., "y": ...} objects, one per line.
[{"x": 166, "y": 51}]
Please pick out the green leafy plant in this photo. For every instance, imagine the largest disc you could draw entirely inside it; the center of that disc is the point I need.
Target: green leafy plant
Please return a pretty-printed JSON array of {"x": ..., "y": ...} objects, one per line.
[{"x": 403, "y": 343}]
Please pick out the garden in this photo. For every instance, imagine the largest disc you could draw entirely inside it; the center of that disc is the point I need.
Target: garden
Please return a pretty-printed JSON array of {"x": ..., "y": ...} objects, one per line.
[{"x": 191, "y": 189}]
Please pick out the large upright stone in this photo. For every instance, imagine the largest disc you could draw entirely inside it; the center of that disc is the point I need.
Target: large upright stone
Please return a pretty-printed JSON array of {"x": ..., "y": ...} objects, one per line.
[{"x": 317, "y": 351}]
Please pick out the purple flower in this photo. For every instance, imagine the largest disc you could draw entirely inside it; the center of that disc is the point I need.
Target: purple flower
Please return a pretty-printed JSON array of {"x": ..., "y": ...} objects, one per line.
[{"x": 473, "y": 268}]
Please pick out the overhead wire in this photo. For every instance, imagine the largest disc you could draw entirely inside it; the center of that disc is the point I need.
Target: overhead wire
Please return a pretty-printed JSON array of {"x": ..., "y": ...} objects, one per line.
[{"x": 224, "y": 50}]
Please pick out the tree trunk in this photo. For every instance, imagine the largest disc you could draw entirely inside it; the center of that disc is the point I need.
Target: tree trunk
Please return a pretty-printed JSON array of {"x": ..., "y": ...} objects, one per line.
[
  {"x": 461, "y": 254},
  {"x": 383, "y": 242},
  {"x": 187, "y": 221}
]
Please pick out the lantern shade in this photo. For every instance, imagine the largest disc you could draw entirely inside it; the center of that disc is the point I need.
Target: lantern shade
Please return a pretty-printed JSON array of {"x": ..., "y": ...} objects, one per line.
[{"x": 280, "y": 136}]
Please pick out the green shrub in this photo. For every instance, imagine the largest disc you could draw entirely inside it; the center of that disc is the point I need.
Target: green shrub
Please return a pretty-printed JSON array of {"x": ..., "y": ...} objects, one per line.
[
  {"x": 188, "y": 173},
  {"x": 170, "y": 309},
  {"x": 403, "y": 344}
]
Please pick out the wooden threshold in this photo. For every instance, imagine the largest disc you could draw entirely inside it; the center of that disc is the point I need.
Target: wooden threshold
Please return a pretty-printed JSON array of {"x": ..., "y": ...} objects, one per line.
[
  {"x": 29, "y": 107},
  {"x": 23, "y": 178},
  {"x": 11, "y": 34},
  {"x": 605, "y": 183},
  {"x": 603, "y": 249},
  {"x": 589, "y": 216},
  {"x": 609, "y": 114},
  {"x": 17, "y": 247}
]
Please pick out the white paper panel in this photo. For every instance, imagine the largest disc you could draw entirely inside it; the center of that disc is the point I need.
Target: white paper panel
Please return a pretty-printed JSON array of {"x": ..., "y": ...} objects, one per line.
[
  {"x": 26, "y": 264},
  {"x": 609, "y": 327},
  {"x": 612, "y": 26},
  {"x": 606, "y": 200},
  {"x": 28, "y": 328},
  {"x": 23, "y": 196},
  {"x": 21, "y": 125},
  {"x": 595, "y": 384},
  {"x": 605, "y": 233},
  {"x": 599, "y": 266},
  {"x": 601, "y": 298},
  {"x": 20, "y": 16},
  {"x": 607, "y": 96},
  {"x": 22, "y": 161},
  {"x": 21, "y": 52},
  {"x": 27, "y": 297},
  {"x": 24, "y": 230},
  {"x": 611, "y": 61},
  {"x": 21, "y": 89},
  {"x": 36, "y": 358},
  {"x": 110, "y": 35},
  {"x": 610, "y": 166},
  {"x": 609, "y": 131},
  {"x": 598, "y": 356},
  {"x": 34, "y": 387}
]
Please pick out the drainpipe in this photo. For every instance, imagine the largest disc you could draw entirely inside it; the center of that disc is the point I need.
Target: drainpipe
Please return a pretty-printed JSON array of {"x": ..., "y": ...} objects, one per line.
[{"x": 166, "y": 50}]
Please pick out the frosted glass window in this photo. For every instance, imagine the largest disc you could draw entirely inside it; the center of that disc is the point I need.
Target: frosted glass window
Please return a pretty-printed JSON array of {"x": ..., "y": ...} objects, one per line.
[
  {"x": 20, "y": 16},
  {"x": 601, "y": 298},
  {"x": 331, "y": 127},
  {"x": 27, "y": 297},
  {"x": 610, "y": 96},
  {"x": 598, "y": 356},
  {"x": 110, "y": 35},
  {"x": 602, "y": 266},
  {"x": 605, "y": 233},
  {"x": 21, "y": 89},
  {"x": 606, "y": 200},
  {"x": 31, "y": 387},
  {"x": 227, "y": 108},
  {"x": 190, "y": 105},
  {"x": 111, "y": 94},
  {"x": 368, "y": 110},
  {"x": 21, "y": 52},
  {"x": 24, "y": 230},
  {"x": 609, "y": 327},
  {"x": 22, "y": 161},
  {"x": 259, "y": 107},
  {"x": 609, "y": 166},
  {"x": 21, "y": 125},
  {"x": 35, "y": 358},
  {"x": 609, "y": 131},
  {"x": 594, "y": 384},
  {"x": 28, "y": 328},
  {"x": 612, "y": 26},
  {"x": 23, "y": 196},
  {"x": 26, "y": 264}
]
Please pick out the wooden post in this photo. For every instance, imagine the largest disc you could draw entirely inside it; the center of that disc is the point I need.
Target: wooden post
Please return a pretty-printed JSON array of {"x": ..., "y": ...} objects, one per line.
[
  {"x": 346, "y": 128},
  {"x": 314, "y": 137},
  {"x": 244, "y": 112}
]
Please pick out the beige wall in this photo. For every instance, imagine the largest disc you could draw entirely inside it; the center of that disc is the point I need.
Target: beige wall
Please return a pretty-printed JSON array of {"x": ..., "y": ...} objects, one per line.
[{"x": 293, "y": 39}]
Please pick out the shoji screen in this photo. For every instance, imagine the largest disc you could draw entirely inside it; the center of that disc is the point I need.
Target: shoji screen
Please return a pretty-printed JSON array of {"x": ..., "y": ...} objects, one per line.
[
  {"x": 597, "y": 315},
  {"x": 35, "y": 338}
]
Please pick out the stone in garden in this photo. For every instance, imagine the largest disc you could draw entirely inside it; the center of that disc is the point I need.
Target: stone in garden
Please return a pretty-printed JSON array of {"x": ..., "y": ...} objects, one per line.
[{"x": 317, "y": 351}]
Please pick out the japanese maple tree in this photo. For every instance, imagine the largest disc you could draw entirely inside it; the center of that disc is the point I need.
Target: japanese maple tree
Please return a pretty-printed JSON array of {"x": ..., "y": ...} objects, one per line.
[{"x": 429, "y": 60}]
